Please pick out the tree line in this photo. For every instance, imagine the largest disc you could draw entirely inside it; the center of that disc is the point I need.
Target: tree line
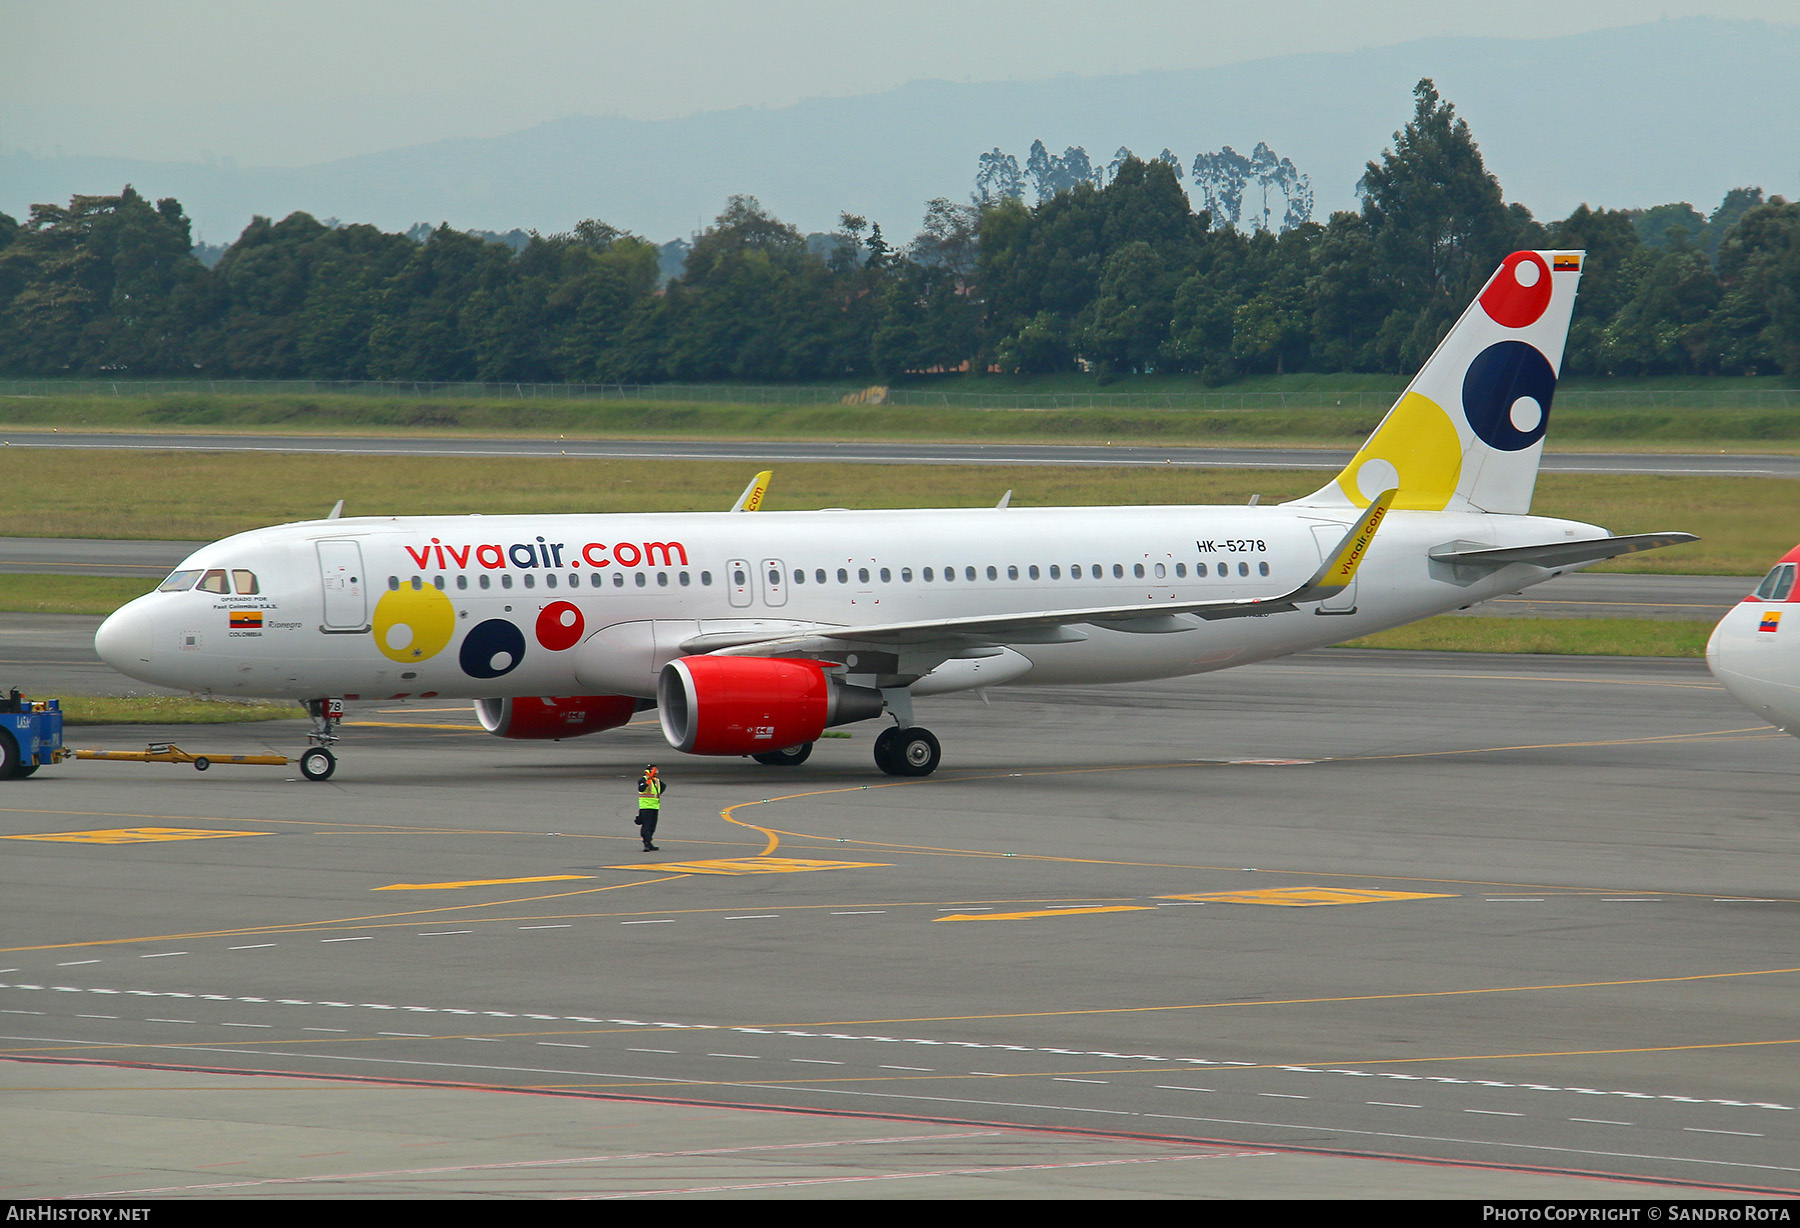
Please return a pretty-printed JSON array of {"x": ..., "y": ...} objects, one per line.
[{"x": 1114, "y": 274}]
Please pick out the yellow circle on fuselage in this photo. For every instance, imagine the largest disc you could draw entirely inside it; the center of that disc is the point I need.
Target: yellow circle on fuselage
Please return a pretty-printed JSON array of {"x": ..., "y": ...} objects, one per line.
[
  {"x": 413, "y": 624},
  {"x": 1421, "y": 444}
]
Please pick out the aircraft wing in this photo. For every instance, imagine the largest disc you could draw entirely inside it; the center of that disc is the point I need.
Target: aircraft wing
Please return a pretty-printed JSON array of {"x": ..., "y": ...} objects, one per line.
[
  {"x": 1055, "y": 626},
  {"x": 1563, "y": 554}
]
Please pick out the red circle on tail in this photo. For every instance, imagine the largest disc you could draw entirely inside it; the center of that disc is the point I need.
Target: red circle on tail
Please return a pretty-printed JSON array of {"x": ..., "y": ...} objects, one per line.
[{"x": 1520, "y": 292}]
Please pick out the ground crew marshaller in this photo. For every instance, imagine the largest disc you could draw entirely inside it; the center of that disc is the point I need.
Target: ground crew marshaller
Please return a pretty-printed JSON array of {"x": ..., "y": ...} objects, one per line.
[{"x": 650, "y": 791}]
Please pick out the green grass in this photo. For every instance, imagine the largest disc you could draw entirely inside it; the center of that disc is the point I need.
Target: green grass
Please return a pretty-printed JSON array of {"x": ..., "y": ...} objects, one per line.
[
  {"x": 42, "y": 594},
  {"x": 1664, "y": 418},
  {"x": 1620, "y": 637},
  {"x": 1745, "y": 523},
  {"x": 172, "y": 710}
]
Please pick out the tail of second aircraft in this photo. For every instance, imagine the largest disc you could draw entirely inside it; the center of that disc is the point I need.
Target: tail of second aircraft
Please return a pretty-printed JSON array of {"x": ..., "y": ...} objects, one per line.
[{"x": 1467, "y": 433}]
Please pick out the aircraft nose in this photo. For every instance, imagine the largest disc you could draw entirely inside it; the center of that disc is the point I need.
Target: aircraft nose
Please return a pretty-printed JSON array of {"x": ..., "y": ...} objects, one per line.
[{"x": 124, "y": 640}]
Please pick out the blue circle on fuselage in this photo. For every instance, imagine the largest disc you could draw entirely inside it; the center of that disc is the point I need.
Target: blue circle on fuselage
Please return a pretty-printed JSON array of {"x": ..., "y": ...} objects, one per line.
[
  {"x": 494, "y": 648},
  {"x": 1506, "y": 395}
]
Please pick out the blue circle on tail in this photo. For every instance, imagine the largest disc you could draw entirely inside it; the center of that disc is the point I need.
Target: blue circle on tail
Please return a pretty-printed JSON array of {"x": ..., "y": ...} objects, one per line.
[
  {"x": 1502, "y": 376},
  {"x": 493, "y": 648}
]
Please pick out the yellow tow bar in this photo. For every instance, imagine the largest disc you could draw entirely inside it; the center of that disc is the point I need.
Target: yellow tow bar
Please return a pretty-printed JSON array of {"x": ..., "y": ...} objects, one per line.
[{"x": 164, "y": 752}]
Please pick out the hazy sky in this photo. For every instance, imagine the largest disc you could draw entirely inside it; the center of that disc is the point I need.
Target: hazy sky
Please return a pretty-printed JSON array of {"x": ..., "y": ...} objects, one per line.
[{"x": 292, "y": 83}]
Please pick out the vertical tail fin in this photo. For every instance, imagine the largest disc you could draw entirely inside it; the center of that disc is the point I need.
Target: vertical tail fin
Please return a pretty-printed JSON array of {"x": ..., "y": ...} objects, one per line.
[{"x": 1467, "y": 433}]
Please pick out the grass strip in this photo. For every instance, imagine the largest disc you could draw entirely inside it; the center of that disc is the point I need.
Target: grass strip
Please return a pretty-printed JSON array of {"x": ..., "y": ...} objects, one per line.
[
  {"x": 48, "y": 594},
  {"x": 173, "y": 710},
  {"x": 1606, "y": 637}
]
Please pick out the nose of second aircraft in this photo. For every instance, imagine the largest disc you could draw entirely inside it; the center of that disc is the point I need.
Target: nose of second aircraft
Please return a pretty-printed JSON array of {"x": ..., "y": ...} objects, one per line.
[{"x": 125, "y": 639}]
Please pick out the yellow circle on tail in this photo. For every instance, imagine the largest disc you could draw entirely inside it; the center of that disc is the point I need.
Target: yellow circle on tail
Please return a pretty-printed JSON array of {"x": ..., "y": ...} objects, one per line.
[
  {"x": 413, "y": 624},
  {"x": 1417, "y": 449}
]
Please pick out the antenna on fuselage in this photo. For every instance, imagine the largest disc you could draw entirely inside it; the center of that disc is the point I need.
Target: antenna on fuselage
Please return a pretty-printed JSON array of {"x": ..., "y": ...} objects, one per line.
[{"x": 337, "y": 509}]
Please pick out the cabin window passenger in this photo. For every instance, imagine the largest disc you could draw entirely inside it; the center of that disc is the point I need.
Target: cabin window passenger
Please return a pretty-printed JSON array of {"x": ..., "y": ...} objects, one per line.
[
  {"x": 969, "y": 574},
  {"x": 393, "y": 584},
  {"x": 774, "y": 578},
  {"x": 618, "y": 579},
  {"x": 549, "y": 580},
  {"x": 641, "y": 581},
  {"x": 1161, "y": 571},
  {"x": 949, "y": 573},
  {"x": 418, "y": 583},
  {"x": 1243, "y": 569},
  {"x": 706, "y": 578},
  {"x": 462, "y": 582},
  {"x": 886, "y": 576},
  {"x": 1181, "y": 571},
  {"x": 1262, "y": 569},
  {"x": 906, "y": 575},
  {"x": 1098, "y": 573},
  {"x": 530, "y": 580},
  {"x": 596, "y": 580},
  {"x": 737, "y": 577},
  {"x": 819, "y": 575},
  {"x": 684, "y": 579},
  {"x": 438, "y": 583},
  {"x": 484, "y": 582},
  {"x": 995, "y": 575},
  {"x": 862, "y": 575},
  {"x": 843, "y": 576},
  {"x": 927, "y": 574},
  {"x": 506, "y": 580},
  {"x": 1032, "y": 571},
  {"x": 1074, "y": 571},
  {"x": 1012, "y": 571},
  {"x": 1055, "y": 572},
  {"x": 245, "y": 581},
  {"x": 1119, "y": 571},
  {"x": 799, "y": 575},
  {"x": 1138, "y": 570},
  {"x": 662, "y": 579}
]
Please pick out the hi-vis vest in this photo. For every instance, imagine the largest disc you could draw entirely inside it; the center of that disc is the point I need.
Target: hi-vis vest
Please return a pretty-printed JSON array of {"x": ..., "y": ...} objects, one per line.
[{"x": 651, "y": 798}]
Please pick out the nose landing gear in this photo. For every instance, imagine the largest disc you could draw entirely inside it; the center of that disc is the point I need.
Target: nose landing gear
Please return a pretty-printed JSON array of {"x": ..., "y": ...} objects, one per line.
[{"x": 318, "y": 763}]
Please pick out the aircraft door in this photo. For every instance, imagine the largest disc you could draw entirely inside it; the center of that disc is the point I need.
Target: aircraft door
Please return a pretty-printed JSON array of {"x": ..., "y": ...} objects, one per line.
[
  {"x": 1327, "y": 537},
  {"x": 774, "y": 587},
  {"x": 738, "y": 583},
  {"x": 345, "y": 585}
]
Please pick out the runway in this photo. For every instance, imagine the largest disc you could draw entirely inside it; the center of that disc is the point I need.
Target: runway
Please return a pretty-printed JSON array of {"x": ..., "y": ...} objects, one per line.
[
  {"x": 872, "y": 453},
  {"x": 1285, "y": 930}
]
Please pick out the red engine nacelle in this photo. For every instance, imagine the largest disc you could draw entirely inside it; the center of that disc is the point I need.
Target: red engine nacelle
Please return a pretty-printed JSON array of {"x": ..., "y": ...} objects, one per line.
[
  {"x": 552, "y": 717},
  {"x": 749, "y": 705}
]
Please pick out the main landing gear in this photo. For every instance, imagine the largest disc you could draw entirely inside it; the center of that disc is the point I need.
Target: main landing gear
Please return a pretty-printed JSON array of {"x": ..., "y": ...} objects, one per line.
[
  {"x": 793, "y": 756},
  {"x": 907, "y": 752},
  {"x": 318, "y": 763}
]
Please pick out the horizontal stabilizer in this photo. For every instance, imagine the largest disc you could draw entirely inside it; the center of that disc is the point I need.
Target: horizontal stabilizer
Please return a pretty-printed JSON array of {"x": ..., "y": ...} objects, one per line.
[{"x": 1564, "y": 554}]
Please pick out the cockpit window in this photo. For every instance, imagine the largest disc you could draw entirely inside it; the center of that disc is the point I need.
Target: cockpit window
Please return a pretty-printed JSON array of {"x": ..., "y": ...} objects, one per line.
[
  {"x": 214, "y": 581},
  {"x": 245, "y": 581},
  {"x": 179, "y": 581},
  {"x": 1778, "y": 584}
]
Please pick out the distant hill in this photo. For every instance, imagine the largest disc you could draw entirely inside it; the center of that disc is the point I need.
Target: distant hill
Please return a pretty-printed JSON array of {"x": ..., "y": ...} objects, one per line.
[{"x": 1637, "y": 116}]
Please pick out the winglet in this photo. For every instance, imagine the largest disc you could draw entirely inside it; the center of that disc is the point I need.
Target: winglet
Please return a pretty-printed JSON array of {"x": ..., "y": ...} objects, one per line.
[
  {"x": 1337, "y": 572},
  {"x": 753, "y": 494}
]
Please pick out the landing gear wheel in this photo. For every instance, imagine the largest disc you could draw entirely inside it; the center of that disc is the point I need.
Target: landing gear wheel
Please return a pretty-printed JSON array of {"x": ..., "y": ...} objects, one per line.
[
  {"x": 886, "y": 757},
  {"x": 201, "y": 763},
  {"x": 9, "y": 758},
  {"x": 793, "y": 756},
  {"x": 318, "y": 764},
  {"x": 917, "y": 752}
]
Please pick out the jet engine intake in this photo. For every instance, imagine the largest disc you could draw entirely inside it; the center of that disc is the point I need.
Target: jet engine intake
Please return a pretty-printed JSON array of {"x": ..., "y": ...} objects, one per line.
[{"x": 751, "y": 705}]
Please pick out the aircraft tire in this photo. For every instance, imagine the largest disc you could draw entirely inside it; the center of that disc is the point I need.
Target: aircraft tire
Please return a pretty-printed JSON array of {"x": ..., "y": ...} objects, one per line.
[
  {"x": 792, "y": 756},
  {"x": 9, "y": 757},
  {"x": 916, "y": 752},
  {"x": 201, "y": 763},
  {"x": 318, "y": 764},
  {"x": 886, "y": 758}
]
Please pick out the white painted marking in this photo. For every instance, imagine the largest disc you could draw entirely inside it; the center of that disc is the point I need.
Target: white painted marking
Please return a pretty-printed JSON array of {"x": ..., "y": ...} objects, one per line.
[
  {"x": 1170, "y": 1087},
  {"x": 1283, "y": 1096},
  {"x": 748, "y": 1056},
  {"x": 246, "y": 1025},
  {"x": 545, "y": 927},
  {"x": 1631, "y": 899},
  {"x": 418, "y": 1035},
  {"x": 21, "y": 1012},
  {"x": 96, "y": 1016},
  {"x": 324, "y": 1029},
  {"x": 158, "y": 955},
  {"x": 166, "y": 1020},
  {"x": 76, "y": 963},
  {"x": 1600, "y": 1121},
  {"x": 925, "y": 1069},
  {"x": 362, "y": 938},
  {"x": 1392, "y": 1104},
  {"x": 754, "y": 916},
  {"x": 1493, "y": 1113},
  {"x": 664, "y": 921},
  {"x": 1063, "y": 1079},
  {"x": 1702, "y": 1130},
  {"x": 557, "y": 1044},
  {"x": 255, "y": 946},
  {"x": 866, "y": 912},
  {"x": 441, "y": 933},
  {"x": 815, "y": 1061},
  {"x": 653, "y": 1050}
]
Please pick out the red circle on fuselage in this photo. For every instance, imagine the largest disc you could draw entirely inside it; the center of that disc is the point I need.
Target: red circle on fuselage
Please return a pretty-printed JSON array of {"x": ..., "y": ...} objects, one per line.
[{"x": 559, "y": 626}]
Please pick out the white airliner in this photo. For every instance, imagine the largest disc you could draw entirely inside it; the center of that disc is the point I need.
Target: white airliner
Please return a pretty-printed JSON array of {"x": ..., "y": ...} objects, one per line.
[
  {"x": 1755, "y": 649},
  {"x": 754, "y": 633}
]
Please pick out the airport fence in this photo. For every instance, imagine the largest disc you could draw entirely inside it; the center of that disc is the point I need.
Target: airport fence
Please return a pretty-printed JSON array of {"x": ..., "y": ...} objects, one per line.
[{"x": 817, "y": 394}]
